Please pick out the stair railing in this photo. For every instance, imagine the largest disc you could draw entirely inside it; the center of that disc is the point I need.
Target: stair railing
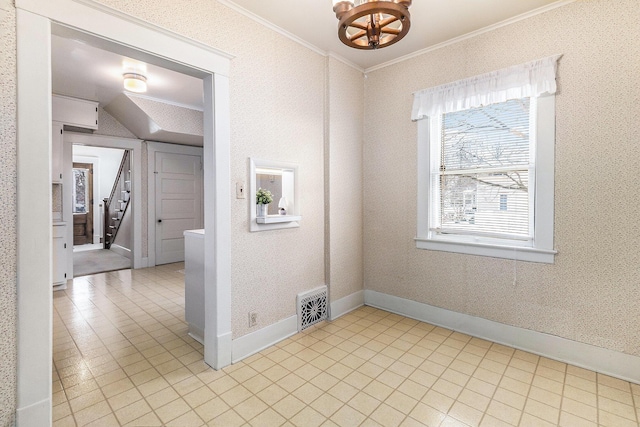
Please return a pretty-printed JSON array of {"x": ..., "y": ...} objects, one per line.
[{"x": 116, "y": 205}]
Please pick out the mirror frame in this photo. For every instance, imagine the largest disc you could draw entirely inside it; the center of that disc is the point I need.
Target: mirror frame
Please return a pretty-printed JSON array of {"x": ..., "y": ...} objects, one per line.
[{"x": 292, "y": 219}]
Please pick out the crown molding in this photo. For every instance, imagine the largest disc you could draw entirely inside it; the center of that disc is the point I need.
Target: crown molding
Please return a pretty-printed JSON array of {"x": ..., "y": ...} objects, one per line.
[
  {"x": 6, "y": 5},
  {"x": 241, "y": 10},
  {"x": 472, "y": 34},
  {"x": 345, "y": 61},
  {"x": 146, "y": 24}
]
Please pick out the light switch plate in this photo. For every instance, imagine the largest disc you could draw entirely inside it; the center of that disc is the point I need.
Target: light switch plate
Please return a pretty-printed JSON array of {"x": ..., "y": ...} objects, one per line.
[{"x": 240, "y": 190}]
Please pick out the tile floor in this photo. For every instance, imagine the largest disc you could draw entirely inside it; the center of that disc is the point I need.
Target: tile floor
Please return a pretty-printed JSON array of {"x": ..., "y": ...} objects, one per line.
[{"x": 122, "y": 357}]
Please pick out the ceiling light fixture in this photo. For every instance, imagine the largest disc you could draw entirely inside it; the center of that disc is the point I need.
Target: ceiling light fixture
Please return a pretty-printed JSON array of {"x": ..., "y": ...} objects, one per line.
[
  {"x": 372, "y": 24},
  {"x": 134, "y": 82}
]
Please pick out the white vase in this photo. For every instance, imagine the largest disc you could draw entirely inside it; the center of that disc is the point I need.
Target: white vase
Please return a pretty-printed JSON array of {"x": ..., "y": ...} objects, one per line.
[{"x": 261, "y": 210}]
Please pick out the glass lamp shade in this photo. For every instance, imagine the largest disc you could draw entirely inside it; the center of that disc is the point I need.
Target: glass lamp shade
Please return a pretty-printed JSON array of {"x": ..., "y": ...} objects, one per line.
[{"x": 135, "y": 82}]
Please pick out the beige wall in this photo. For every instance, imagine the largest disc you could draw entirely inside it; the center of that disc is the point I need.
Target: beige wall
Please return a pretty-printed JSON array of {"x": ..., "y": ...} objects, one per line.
[
  {"x": 343, "y": 171},
  {"x": 7, "y": 213},
  {"x": 591, "y": 293}
]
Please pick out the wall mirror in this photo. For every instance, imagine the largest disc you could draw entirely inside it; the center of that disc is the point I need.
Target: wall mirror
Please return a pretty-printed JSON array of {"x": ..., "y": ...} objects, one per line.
[{"x": 281, "y": 180}]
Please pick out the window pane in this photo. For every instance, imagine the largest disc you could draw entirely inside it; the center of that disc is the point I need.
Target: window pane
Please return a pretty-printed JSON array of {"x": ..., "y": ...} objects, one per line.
[
  {"x": 493, "y": 136},
  {"x": 484, "y": 178},
  {"x": 476, "y": 204},
  {"x": 80, "y": 191}
]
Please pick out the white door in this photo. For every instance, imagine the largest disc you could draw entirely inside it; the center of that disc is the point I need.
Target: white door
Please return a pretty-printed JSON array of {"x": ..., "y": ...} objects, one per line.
[{"x": 179, "y": 204}]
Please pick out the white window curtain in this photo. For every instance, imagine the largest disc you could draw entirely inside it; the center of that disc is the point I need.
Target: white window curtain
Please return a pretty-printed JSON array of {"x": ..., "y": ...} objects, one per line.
[{"x": 519, "y": 81}]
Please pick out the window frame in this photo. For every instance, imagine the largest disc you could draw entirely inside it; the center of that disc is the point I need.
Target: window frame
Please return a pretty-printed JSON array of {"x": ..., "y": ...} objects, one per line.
[{"x": 540, "y": 249}]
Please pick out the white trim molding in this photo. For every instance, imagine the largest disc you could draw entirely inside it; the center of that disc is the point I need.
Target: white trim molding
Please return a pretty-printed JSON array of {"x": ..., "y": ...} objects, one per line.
[
  {"x": 346, "y": 304},
  {"x": 245, "y": 12},
  {"x": 345, "y": 61},
  {"x": 254, "y": 342},
  {"x": 118, "y": 27},
  {"x": 608, "y": 362},
  {"x": 260, "y": 20},
  {"x": 34, "y": 219},
  {"x": 6, "y": 6},
  {"x": 472, "y": 34},
  {"x": 34, "y": 415}
]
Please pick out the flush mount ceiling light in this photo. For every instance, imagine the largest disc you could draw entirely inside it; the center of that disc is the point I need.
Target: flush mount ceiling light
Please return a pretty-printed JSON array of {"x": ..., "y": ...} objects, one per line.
[
  {"x": 134, "y": 82},
  {"x": 372, "y": 24}
]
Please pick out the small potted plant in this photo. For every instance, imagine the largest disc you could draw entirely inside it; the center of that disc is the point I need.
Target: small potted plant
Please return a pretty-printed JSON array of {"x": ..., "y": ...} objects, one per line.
[{"x": 263, "y": 198}]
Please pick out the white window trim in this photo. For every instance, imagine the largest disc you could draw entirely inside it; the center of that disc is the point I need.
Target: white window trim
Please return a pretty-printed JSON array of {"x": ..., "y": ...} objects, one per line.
[{"x": 542, "y": 250}]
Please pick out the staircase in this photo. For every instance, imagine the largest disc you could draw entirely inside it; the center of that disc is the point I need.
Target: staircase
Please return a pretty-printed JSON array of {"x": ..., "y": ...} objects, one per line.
[{"x": 116, "y": 205}]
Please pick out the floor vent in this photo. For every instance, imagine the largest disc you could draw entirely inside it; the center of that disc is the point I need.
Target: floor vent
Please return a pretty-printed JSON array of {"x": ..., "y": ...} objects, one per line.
[{"x": 312, "y": 307}]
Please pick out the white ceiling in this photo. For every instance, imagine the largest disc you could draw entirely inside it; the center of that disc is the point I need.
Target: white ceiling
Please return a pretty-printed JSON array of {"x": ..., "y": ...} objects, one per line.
[
  {"x": 432, "y": 22},
  {"x": 87, "y": 72}
]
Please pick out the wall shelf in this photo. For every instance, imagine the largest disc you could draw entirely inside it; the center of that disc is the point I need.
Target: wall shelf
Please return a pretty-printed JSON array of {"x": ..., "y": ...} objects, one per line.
[
  {"x": 273, "y": 219},
  {"x": 281, "y": 179}
]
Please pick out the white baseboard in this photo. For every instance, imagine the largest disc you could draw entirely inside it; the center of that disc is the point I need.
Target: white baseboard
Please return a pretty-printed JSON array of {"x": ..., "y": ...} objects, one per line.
[
  {"x": 608, "y": 362},
  {"x": 254, "y": 342},
  {"x": 196, "y": 333},
  {"x": 120, "y": 250},
  {"x": 346, "y": 304},
  {"x": 218, "y": 355},
  {"x": 36, "y": 415}
]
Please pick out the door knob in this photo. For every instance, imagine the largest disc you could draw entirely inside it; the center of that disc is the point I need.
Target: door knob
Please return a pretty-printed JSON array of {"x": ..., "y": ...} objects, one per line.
[{"x": 159, "y": 220}]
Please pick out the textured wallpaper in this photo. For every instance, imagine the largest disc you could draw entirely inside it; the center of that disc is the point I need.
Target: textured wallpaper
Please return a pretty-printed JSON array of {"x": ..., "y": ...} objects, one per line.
[
  {"x": 171, "y": 118},
  {"x": 8, "y": 258},
  {"x": 345, "y": 121},
  {"x": 109, "y": 126},
  {"x": 591, "y": 293},
  {"x": 56, "y": 199}
]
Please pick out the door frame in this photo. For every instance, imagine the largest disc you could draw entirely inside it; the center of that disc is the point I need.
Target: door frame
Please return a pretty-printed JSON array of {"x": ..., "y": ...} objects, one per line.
[
  {"x": 95, "y": 162},
  {"x": 152, "y": 149},
  {"x": 133, "y": 37},
  {"x": 89, "y": 222},
  {"x": 135, "y": 147}
]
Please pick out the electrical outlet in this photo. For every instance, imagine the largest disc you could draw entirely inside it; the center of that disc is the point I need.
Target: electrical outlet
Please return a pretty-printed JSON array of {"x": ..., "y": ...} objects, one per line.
[
  {"x": 240, "y": 190},
  {"x": 253, "y": 319}
]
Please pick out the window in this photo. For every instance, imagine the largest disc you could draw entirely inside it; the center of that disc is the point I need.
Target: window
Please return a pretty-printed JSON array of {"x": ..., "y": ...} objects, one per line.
[
  {"x": 503, "y": 202},
  {"x": 485, "y": 156},
  {"x": 486, "y": 165},
  {"x": 80, "y": 191}
]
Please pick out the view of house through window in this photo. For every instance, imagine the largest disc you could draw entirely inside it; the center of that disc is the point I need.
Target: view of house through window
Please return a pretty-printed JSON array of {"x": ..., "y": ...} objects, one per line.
[
  {"x": 80, "y": 191},
  {"x": 485, "y": 160}
]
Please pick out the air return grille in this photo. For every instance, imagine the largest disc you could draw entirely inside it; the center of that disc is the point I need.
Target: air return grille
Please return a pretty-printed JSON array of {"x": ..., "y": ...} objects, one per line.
[{"x": 312, "y": 307}]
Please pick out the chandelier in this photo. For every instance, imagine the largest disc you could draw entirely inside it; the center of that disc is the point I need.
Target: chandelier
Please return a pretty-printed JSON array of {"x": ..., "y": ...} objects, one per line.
[{"x": 372, "y": 24}]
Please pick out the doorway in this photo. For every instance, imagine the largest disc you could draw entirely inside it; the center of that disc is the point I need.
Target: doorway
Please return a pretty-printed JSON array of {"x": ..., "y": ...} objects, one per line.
[
  {"x": 95, "y": 178},
  {"x": 82, "y": 203},
  {"x": 117, "y": 30}
]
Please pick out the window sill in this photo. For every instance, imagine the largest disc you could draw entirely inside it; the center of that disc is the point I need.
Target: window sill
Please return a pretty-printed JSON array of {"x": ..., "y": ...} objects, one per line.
[
  {"x": 273, "y": 219},
  {"x": 520, "y": 253}
]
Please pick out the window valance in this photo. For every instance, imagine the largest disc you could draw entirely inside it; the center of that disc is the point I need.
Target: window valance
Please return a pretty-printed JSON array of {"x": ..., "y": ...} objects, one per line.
[{"x": 531, "y": 79}]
